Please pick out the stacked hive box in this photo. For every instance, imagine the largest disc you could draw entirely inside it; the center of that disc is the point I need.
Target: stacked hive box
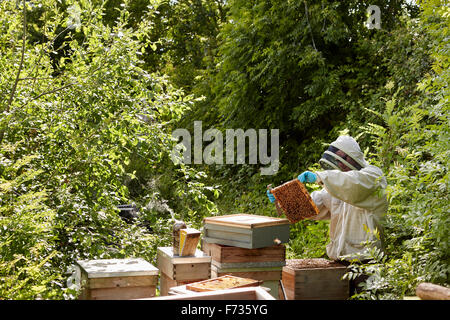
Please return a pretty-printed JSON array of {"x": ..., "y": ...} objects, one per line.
[
  {"x": 247, "y": 246},
  {"x": 179, "y": 270}
]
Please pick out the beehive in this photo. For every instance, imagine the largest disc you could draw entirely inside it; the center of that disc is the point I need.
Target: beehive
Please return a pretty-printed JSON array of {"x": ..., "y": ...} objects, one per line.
[
  {"x": 295, "y": 201},
  {"x": 117, "y": 279},
  {"x": 264, "y": 264},
  {"x": 179, "y": 270},
  {"x": 315, "y": 279}
]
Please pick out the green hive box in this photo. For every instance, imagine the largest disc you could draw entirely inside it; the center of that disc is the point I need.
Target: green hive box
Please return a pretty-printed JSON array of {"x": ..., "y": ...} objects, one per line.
[{"x": 246, "y": 230}]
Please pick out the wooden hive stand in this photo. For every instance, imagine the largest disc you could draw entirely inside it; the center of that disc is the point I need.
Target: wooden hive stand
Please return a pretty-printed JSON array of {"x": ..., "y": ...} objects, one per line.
[
  {"x": 117, "y": 279},
  {"x": 180, "y": 270}
]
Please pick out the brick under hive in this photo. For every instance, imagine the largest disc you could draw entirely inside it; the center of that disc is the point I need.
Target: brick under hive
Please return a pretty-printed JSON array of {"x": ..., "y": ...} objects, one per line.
[{"x": 295, "y": 201}]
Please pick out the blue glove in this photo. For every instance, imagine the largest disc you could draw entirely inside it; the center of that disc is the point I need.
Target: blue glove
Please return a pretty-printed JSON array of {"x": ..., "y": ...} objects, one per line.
[
  {"x": 307, "y": 176},
  {"x": 271, "y": 196}
]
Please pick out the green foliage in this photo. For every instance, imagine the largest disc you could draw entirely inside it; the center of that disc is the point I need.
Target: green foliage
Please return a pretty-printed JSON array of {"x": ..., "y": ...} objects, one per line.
[
  {"x": 90, "y": 92},
  {"x": 95, "y": 129},
  {"x": 412, "y": 146}
]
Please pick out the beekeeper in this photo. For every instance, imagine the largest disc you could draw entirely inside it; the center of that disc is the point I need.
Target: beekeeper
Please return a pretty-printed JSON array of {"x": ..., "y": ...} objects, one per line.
[{"x": 352, "y": 198}]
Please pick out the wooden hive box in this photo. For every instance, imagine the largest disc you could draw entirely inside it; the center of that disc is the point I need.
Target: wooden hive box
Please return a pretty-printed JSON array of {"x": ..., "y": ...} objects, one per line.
[
  {"x": 315, "y": 279},
  {"x": 264, "y": 264},
  {"x": 117, "y": 279},
  {"x": 180, "y": 270},
  {"x": 228, "y": 256},
  {"x": 246, "y": 230}
]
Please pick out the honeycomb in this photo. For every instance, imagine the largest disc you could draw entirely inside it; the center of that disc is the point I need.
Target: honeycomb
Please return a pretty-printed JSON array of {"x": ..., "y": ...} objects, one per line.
[{"x": 295, "y": 201}]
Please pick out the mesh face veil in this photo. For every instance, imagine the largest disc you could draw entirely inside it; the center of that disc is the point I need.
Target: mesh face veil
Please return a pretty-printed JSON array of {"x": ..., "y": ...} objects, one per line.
[{"x": 336, "y": 159}]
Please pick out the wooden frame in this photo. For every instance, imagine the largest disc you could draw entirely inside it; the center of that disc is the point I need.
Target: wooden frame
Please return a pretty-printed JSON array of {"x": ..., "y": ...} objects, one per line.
[{"x": 197, "y": 286}]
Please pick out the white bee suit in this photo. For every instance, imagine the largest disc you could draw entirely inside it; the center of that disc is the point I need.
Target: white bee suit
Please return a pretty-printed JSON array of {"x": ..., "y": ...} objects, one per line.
[{"x": 354, "y": 202}]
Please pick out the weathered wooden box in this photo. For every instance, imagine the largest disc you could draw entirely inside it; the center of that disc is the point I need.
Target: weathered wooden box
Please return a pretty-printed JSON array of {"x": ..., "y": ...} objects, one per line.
[
  {"x": 228, "y": 256},
  {"x": 315, "y": 279},
  {"x": 117, "y": 279},
  {"x": 246, "y": 230},
  {"x": 179, "y": 270}
]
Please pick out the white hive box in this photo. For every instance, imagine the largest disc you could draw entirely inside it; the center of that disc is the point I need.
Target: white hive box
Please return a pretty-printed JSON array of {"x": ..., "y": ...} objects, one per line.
[{"x": 117, "y": 279}]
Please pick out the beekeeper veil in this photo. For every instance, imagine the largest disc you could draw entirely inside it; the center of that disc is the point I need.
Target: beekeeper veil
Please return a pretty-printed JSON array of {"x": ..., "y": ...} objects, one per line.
[{"x": 344, "y": 154}]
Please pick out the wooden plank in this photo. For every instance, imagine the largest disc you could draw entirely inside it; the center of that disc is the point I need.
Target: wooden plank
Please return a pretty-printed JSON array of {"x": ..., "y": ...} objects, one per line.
[
  {"x": 245, "y": 221},
  {"x": 229, "y": 254},
  {"x": 122, "y": 293},
  {"x": 122, "y": 282}
]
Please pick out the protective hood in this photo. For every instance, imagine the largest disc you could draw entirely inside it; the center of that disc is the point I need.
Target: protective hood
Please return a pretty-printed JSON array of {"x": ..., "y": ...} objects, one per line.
[{"x": 344, "y": 152}]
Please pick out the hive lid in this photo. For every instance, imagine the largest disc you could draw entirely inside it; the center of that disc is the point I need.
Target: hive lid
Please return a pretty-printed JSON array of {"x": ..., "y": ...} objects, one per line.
[
  {"x": 107, "y": 268},
  {"x": 247, "y": 221}
]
